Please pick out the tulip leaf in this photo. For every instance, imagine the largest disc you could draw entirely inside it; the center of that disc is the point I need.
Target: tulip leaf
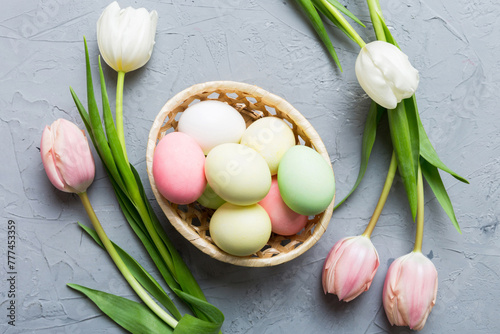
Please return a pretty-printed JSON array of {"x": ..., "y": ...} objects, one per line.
[
  {"x": 113, "y": 139},
  {"x": 388, "y": 36},
  {"x": 140, "y": 274},
  {"x": 369, "y": 134},
  {"x": 84, "y": 115},
  {"x": 428, "y": 152},
  {"x": 92, "y": 122},
  {"x": 138, "y": 227},
  {"x": 412, "y": 116},
  {"x": 135, "y": 317},
  {"x": 433, "y": 178},
  {"x": 324, "y": 10},
  {"x": 182, "y": 274},
  {"x": 344, "y": 10},
  {"x": 318, "y": 26},
  {"x": 190, "y": 325},
  {"x": 401, "y": 124}
]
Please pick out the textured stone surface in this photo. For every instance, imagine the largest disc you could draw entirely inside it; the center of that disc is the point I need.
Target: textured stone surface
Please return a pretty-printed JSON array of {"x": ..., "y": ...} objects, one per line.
[{"x": 455, "y": 46}]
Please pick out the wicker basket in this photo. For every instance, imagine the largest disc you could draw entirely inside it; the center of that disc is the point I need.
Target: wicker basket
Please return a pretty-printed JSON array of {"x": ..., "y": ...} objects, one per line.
[{"x": 192, "y": 220}]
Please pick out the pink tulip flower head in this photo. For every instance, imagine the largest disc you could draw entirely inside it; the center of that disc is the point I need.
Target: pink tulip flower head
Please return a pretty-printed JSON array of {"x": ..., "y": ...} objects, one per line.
[
  {"x": 410, "y": 290},
  {"x": 66, "y": 157},
  {"x": 350, "y": 267}
]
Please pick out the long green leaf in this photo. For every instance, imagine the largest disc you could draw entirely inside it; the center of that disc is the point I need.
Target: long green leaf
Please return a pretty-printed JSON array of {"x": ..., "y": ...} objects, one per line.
[
  {"x": 113, "y": 139},
  {"x": 369, "y": 135},
  {"x": 433, "y": 178},
  {"x": 100, "y": 143},
  {"x": 137, "y": 225},
  {"x": 324, "y": 10},
  {"x": 344, "y": 10},
  {"x": 142, "y": 276},
  {"x": 212, "y": 313},
  {"x": 412, "y": 116},
  {"x": 190, "y": 325},
  {"x": 402, "y": 143},
  {"x": 182, "y": 274},
  {"x": 317, "y": 24},
  {"x": 428, "y": 152},
  {"x": 388, "y": 36},
  {"x": 134, "y": 317},
  {"x": 85, "y": 117}
]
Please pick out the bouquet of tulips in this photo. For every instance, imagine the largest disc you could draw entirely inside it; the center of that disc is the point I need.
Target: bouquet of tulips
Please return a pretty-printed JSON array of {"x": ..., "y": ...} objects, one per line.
[
  {"x": 126, "y": 39},
  {"x": 389, "y": 79}
]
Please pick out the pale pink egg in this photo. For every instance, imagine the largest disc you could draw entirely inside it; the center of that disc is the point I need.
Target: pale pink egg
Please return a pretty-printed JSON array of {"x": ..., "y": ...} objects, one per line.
[
  {"x": 179, "y": 168},
  {"x": 284, "y": 220}
]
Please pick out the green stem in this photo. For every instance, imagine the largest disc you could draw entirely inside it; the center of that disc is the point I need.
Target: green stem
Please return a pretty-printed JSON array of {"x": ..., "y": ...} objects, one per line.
[
  {"x": 341, "y": 19},
  {"x": 122, "y": 266},
  {"x": 376, "y": 18},
  {"x": 119, "y": 112},
  {"x": 419, "y": 235},
  {"x": 383, "y": 196}
]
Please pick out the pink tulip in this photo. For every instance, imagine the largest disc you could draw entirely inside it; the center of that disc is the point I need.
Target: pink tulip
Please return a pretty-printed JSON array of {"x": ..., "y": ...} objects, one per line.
[
  {"x": 66, "y": 157},
  {"x": 350, "y": 267},
  {"x": 410, "y": 290}
]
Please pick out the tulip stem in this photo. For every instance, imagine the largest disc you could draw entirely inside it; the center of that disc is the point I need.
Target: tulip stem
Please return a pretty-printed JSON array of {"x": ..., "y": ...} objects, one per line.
[
  {"x": 119, "y": 112},
  {"x": 343, "y": 22},
  {"x": 383, "y": 196},
  {"x": 377, "y": 19},
  {"x": 122, "y": 266},
  {"x": 419, "y": 234}
]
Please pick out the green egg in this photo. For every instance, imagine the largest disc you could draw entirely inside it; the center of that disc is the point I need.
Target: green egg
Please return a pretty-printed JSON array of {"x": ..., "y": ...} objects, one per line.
[
  {"x": 210, "y": 199},
  {"x": 305, "y": 181}
]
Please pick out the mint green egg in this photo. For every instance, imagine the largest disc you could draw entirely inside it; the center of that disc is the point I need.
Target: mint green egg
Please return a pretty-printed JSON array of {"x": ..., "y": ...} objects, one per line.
[
  {"x": 306, "y": 181},
  {"x": 210, "y": 199}
]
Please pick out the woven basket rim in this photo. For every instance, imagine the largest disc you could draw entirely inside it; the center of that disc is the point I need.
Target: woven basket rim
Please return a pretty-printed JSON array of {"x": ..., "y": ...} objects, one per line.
[{"x": 186, "y": 231}]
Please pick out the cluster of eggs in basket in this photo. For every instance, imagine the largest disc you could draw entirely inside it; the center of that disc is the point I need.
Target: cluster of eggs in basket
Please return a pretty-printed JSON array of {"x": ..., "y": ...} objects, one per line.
[{"x": 257, "y": 179}]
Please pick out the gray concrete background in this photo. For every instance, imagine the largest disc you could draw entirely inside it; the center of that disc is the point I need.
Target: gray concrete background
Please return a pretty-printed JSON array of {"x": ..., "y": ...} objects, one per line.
[{"x": 454, "y": 44}]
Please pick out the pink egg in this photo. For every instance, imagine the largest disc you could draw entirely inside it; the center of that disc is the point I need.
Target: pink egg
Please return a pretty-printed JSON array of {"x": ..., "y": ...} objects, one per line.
[
  {"x": 284, "y": 220},
  {"x": 179, "y": 168}
]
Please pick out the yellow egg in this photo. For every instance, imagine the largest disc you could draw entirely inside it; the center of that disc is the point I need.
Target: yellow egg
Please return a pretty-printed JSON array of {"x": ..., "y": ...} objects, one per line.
[
  {"x": 271, "y": 137},
  {"x": 237, "y": 173},
  {"x": 240, "y": 230}
]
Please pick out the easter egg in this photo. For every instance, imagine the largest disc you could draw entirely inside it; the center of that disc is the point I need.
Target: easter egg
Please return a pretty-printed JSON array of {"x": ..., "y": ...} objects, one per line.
[
  {"x": 271, "y": 137},
  {"x": 284, "y": 220},
  {"x": 212, "y": 123},
  {"x": 178, "y": 168},
  {"x": 210, "y": 199},
  {"x": 240, "y": 230},
  {"x": 237, "y": 173},
  {"x": 305, "y": 180}
]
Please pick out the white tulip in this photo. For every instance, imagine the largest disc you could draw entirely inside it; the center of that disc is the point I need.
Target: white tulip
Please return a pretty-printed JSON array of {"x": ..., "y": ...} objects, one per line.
[
  {"x": 126, "y": 36},
  {"x": 385, "y": 74}
]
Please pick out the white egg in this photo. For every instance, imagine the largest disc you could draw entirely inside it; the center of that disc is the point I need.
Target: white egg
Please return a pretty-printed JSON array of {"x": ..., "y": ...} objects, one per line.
[{"x": 212, "y": 123}]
